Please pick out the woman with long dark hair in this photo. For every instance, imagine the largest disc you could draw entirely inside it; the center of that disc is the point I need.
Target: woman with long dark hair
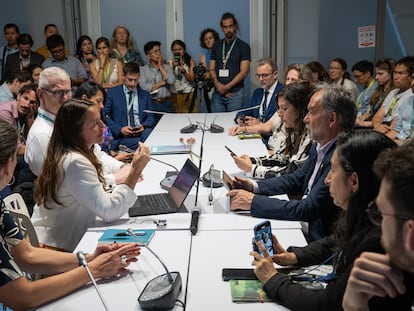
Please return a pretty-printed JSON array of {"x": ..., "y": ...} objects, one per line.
[
  {"x": 352, "y": 185},
  {"x": 17, "y": 255},
  {"x": 70, "y": 190},
  {"x": 183, "y": 67},
  {"x": 85, "y": 53},
  {"x": 291, "y": 142}
]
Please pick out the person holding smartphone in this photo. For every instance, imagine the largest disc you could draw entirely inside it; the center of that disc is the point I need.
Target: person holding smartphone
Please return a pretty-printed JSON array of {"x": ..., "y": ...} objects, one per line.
[
  {"x": 182, "y": 90},
  {"x": 124, "y": 111},
  {"x": 352, "y": 185}
]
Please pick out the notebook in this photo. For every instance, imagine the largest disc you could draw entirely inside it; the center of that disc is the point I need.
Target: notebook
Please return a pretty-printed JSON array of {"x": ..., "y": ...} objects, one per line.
[
  {"x": 171, "y": 202},
  {"x": 121, "y": 236}
]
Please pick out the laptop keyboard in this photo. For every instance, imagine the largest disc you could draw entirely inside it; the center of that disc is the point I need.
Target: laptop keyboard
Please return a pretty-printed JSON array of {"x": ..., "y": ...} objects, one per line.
[{"x": 154, "y": 203}]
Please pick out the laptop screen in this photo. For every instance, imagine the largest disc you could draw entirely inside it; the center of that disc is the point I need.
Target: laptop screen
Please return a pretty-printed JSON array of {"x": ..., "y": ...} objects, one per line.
[{"x": 183, "y": 183}]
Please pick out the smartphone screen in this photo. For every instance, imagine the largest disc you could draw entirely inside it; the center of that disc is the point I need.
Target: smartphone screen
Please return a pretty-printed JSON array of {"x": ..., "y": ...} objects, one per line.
[{"x": 263, "y": 234}]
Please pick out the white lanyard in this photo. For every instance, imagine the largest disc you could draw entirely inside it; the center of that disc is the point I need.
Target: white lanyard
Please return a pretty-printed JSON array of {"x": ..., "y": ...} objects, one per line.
[{"x": 226, "y": 57}]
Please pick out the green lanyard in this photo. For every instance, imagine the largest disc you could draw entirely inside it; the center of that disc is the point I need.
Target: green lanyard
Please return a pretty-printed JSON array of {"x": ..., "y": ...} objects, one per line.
[
  {"x": 358, "y": 101},
  {"x": 394, "y": 102}
]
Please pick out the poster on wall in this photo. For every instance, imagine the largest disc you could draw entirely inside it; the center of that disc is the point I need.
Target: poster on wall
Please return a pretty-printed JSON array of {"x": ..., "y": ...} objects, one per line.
[{"x": 366, "y": 37}]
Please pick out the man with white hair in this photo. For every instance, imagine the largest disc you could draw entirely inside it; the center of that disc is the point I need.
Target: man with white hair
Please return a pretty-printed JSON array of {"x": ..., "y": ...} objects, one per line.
[{"x": 54, "y": 89}]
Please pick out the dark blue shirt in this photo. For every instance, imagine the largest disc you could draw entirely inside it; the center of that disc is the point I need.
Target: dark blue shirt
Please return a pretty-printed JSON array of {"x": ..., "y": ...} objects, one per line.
[{"x": 239, "y": 53}]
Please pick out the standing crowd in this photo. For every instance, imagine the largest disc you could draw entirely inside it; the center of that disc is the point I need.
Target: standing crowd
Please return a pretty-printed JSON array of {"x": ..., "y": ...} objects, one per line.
[{"x": 73, "y": 129}]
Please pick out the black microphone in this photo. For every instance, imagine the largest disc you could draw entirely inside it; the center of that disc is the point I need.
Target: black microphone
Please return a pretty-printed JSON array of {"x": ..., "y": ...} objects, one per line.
[
  {"x": 189, "y": 128},
  {"x": 215, "y": 128},
  {"x": 170, "y": 176},
  {"x": 82, "y": 261},
  {"x": 160, "y": 293},
  {"x": 194, "y": 221}
]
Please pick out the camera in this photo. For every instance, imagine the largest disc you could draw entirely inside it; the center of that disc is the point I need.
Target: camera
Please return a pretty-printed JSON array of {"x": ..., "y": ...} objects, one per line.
[{"x": 199, "y": 72}]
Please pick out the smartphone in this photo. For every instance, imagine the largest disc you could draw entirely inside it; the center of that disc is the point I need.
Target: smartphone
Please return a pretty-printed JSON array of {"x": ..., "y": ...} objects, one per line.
[
  {"x": 227, "y": 181},
  {"x": 237, "y": 274},
  {"x": 231, "y": 152},
  {"x": 263, "y": 234},
  {"x": 177, "y": 57}
]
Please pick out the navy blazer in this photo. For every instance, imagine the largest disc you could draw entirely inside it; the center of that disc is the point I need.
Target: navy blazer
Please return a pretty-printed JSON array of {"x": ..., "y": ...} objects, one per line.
[
  {"x": 13, "y": 62},
  {"x": 317, "y": 208},
  {"x": 116, "y": 116},
  {"x": 256, "y": 99}
]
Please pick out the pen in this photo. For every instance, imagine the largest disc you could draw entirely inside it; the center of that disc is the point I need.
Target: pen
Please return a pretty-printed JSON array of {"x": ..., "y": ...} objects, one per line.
[{"x": 139, "y": 233}]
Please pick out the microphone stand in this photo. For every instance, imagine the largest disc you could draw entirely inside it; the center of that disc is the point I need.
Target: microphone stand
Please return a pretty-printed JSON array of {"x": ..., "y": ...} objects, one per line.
[
  {"x": 83, "y": 262},
  {"x": 200, "y": 160}
]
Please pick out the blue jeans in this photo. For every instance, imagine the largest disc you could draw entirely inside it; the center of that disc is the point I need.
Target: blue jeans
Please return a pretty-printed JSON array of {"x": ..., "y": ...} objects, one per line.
[{"x": 222, "y": 104}]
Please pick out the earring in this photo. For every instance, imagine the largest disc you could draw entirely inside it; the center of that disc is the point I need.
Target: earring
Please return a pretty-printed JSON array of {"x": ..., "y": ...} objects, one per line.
[{"x": 12, "y": 181}]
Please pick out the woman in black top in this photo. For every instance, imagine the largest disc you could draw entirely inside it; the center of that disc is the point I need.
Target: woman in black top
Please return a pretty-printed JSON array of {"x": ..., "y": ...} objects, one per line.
[{"x": 352, "y": 184}]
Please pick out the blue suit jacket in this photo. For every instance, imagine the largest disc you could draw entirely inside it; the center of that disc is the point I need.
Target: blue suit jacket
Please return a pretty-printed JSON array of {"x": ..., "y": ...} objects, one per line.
[
  {"x": 317, "y": 208},
  {"x": 116, "y": 116},
  {"x": 256, "y": 100}
]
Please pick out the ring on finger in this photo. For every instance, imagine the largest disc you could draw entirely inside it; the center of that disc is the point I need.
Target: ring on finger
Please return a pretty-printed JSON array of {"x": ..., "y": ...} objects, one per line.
[{"x": 123, "y": 259}]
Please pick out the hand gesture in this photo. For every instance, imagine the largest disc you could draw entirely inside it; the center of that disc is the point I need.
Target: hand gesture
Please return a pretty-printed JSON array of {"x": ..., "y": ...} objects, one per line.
[
  {"x": 111, "y": 263},
  {"x": 141, "y": 157},
  {"x": 372, "y": 275},
  {"x": 264, "y": 265},
  {"x": 243, "y": 162},
  {"x": 235, "y": 130},
  {"x": 281, "y": 256}
]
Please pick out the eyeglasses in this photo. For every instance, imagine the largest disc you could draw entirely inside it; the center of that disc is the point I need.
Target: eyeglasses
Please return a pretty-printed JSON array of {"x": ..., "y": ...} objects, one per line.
[
  {"x": 375, "y": 215},
  {"x": 59, "y": 93},
  {"x": 263, "y": 75}
]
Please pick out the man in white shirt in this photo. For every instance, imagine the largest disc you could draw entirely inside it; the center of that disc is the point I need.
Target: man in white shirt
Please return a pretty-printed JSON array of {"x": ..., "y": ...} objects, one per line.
[{"x": 54, "y": 89}]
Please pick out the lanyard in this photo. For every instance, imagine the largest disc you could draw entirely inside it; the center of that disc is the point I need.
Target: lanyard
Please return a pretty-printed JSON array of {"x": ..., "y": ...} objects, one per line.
[
  {"x": 106, "y": 72},
  {"x": 154, "y": 72},
  {"x": 130, "y": 102},
  {"x": 227, "y": 56},
  {"x": 125, "y": 58},
  {"x": 394, "y": 102},
  {"x": 45, "y": 117},
  {"x": 358, "y": 101}
]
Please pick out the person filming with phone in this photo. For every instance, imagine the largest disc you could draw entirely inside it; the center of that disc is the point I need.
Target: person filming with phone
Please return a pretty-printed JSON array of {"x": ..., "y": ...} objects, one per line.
[
  {"x": 124, "y": 111},
  {"x": 352, "y": 185}
]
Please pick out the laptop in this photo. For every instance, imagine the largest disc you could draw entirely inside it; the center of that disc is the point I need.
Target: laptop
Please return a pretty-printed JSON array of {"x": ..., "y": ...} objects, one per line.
[{"x": 171, "y": 202}]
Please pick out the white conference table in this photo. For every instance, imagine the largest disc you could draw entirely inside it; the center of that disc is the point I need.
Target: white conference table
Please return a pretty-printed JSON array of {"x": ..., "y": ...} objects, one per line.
[
  {"x": 223, "y": 239},
  {"x": 199, "y": 259}
]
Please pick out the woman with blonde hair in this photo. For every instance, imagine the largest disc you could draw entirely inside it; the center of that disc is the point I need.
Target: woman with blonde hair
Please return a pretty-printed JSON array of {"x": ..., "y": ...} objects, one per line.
[{"x": 123, "y": 46}]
